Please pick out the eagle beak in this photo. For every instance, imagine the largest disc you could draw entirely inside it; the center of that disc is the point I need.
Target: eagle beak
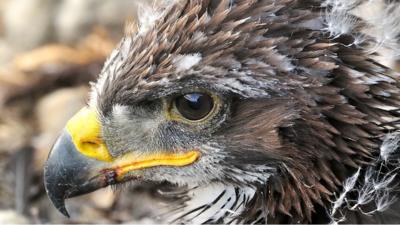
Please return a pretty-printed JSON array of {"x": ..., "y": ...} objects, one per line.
[
  {"x": 68, "y": 173},
  {"x": 80, "y": 162}
]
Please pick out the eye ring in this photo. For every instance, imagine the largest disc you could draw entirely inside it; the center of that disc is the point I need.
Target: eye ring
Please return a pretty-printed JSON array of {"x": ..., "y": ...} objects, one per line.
[{"x": 193, "y": 107}]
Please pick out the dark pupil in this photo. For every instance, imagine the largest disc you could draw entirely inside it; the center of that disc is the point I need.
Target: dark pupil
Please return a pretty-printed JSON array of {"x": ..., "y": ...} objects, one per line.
[{"x": 194, "y": 106}]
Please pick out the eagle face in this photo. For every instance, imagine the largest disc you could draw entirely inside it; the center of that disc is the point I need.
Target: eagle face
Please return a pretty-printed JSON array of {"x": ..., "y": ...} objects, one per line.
[
  {"x": 255, "y": 108},
  {"x": 186, "y": 125}
]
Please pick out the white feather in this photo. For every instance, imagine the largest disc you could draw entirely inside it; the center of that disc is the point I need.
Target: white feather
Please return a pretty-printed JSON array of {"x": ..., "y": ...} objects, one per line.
[
  {"x": 185, "y": 62},
  {"x": 390, "y": 145},
  {"x": 376, "y": 187},
  {"x": 205, "y": 195}
]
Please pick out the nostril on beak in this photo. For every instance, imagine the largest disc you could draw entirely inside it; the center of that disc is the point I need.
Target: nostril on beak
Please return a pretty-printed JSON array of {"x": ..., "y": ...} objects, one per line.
[
  {"x": 90, "y": 144},
  {"x": 94, "y": 148}
]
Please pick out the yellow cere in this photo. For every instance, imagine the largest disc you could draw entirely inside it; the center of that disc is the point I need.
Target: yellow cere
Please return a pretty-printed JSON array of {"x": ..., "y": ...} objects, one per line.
[{"x": 84, "y": 129}]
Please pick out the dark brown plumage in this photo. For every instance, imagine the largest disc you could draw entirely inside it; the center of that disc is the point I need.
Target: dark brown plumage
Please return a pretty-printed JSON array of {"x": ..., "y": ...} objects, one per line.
[{"x": 302, "y": 96}]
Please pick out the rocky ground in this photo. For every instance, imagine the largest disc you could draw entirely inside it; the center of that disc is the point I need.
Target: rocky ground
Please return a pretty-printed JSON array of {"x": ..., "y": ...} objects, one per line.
[{"x": 49, "y": 51}]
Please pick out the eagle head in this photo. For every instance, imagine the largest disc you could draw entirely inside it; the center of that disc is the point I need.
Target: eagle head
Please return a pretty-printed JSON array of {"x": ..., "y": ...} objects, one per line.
[{"x": 257, "y": 109}]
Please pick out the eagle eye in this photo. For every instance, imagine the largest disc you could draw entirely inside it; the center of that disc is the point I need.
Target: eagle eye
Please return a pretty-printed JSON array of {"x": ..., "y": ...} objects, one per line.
[{"x": 194, "y": 106}]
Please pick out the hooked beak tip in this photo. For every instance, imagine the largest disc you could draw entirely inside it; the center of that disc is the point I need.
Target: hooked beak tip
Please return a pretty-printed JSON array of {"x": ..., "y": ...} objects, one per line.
[
  {"x": 59, "y": 203},
  {"x": 67, "y": 173},
  {"x": 57, "y": 196}
]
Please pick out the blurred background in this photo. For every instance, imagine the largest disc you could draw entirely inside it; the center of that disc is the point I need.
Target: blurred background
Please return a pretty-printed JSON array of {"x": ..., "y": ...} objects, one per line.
[{"x": 49, "y": 51}]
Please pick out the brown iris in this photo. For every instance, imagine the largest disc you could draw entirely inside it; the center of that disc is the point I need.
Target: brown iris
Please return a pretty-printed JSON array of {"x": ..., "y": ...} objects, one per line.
[{"x": 194, "y": 106}]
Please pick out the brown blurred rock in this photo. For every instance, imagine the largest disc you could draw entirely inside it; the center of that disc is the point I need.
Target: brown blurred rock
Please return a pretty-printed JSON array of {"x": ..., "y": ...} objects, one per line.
[
  {"x": 14, "y": 133},
  {"x": 47, "y": 68},
  {"x": 12, "y": 217},
  {"x": 63, "y": 21},
  {"x": 95, "y": 47},
  {"x": 28, "y": 18},
  {"x": 88, "y": 214},
  {"x": 12, "y": 82},
  {"x": 103, "y": 198},
  {"x": 6, "y": 185},
  {"x": 76, "y": 17},
  {"x": 398, "y": 65}
]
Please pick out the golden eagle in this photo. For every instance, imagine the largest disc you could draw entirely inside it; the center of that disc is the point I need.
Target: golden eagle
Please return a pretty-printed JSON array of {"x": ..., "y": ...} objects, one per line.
[{"x": 250, "y": 111}]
